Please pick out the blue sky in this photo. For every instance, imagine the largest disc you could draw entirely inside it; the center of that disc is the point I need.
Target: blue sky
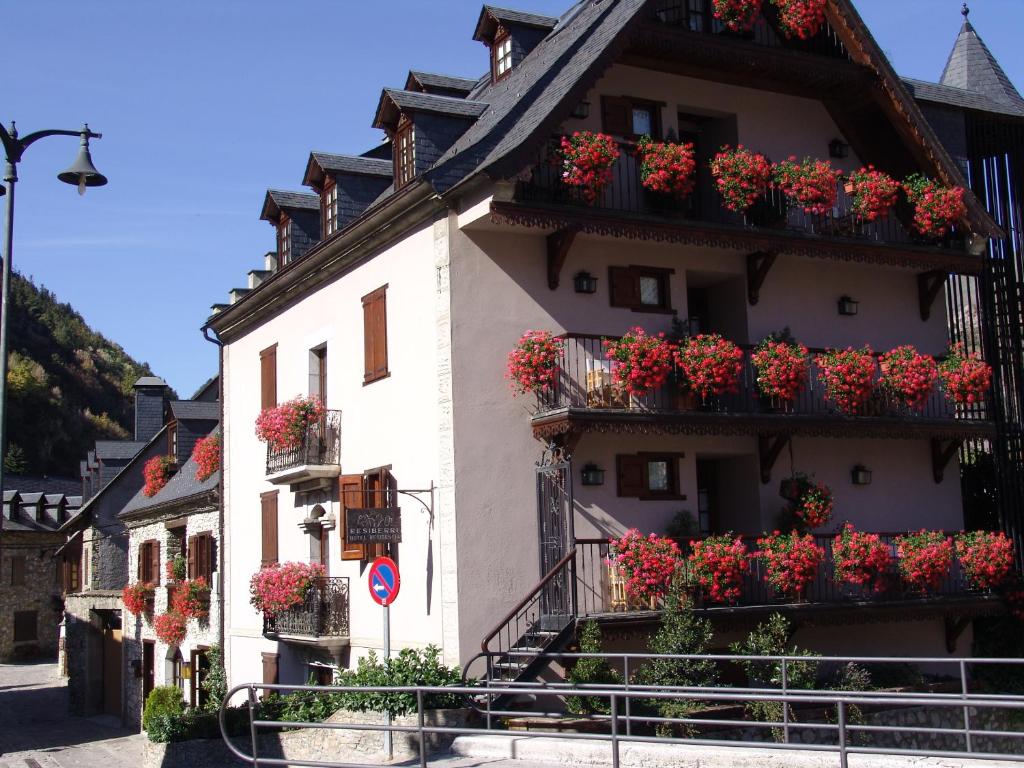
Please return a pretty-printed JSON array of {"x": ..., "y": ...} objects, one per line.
[{"x": 204, "y": 105}]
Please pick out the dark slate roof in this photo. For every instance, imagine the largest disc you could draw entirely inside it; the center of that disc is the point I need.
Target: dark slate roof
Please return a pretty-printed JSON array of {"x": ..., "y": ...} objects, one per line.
[
  {"x": 959, "y": 97},
  {"x": 179, "y": 488},
  {"x": 362, "y": 166},
  {"x": 29, "y": 484},
  {"x": 195, "y": 410},
  {"x": 429, "y": 80},
  {"x": 150, "y": 381},
  {"x": 394, "y": 100},
  {"x": 491, "y": 14},
  {"x": 117, "y": 450},
  {"x": 294, "y": 200},
  {"x": 972, "y": 67}
]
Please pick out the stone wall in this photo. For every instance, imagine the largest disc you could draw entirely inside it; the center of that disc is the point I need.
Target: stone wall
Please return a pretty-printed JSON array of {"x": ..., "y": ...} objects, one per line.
[
  {"x": 84, "y": 616},
  {"x": 38, "y": 595}
]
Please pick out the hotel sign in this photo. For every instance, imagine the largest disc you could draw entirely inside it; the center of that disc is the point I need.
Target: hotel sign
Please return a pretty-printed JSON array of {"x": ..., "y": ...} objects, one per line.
[{"x": 373, "y": 526}]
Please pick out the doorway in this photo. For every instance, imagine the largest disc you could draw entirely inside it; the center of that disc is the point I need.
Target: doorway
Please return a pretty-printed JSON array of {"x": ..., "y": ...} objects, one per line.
[
  {"x": 112, "y": 672},
  {"x": 148, "y": 668}
]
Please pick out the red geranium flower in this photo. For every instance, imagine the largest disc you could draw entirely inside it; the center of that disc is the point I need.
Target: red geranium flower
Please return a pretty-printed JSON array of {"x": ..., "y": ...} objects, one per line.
[{"x": 741, "y": 176}]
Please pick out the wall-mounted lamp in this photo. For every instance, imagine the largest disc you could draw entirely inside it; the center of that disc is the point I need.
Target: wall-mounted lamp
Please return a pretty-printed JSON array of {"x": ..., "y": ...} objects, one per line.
[
  {"x": 976, "y": 244},
  {"x": 848, "y": 306},
  {"x": 581, "y": 110},
  {"x": 838, "y": 148},
  {"x": 592, "y": 475},
  {"x": 186, "y": 670},
  {"x": 860, "y": 475},
  {"x": 585, "y": 283}
]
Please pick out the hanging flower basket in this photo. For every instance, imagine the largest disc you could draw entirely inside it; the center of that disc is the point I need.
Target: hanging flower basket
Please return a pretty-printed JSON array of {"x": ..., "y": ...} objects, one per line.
[
  {"x": 966, "y": 378},
  {"x": 206, "y": 455},
  {"x": 741, "y": 176},
  {"x": 848, "y": 376},
  {"x": 862, "y": 559},
  {"x": 811, "y": 184},
  {"x": 801, "y": 18},
  {"x": 874, "y": 193},
  {"x": 587, "y": 160},
  {"x": 192, "y": 599},
  {"x": 717, "y": 564},
  {"x": 137, "y": 598},
  {"x": 170, "y": 628},
  {"x": 737, "y": 15},
  {"x": 277, "y": 587},
  {"x": 815, "y": 505},
  {"x": 647, "y": 562},
  {"x": 643, "y": 362},
  {"x": 710, "y": 364},
  {"x": 986, "y": 558},
  {"x": 908, "y": 375},
  {"x": 533, "y": 364},
  {"x": 925, "y": 558},
  {"x": 791, "y": 561},
  {"x": 156, "y": 472},
  {"x": 666, "y": 168},
  {"x": 936, "y": 208},
  {"x": 782, "y": 368},
  {"x": 283, "y": 427}
]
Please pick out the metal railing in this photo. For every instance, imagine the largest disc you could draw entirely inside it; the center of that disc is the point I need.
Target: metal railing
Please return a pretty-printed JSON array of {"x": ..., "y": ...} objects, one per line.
[
  {"x": 586, "y": 380},
  {"x": 324, "y": 612},
  {"x": 320, "y": 445},
  {"x": 633, "y": 712},
  {"x": 595, "y": 596}
]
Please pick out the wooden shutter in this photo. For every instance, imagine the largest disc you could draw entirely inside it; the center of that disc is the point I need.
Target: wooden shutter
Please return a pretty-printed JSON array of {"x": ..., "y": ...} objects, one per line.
[
  {"x": 350, "y": 492},
  {"x": 375, "y": 335},
  {"x": 616, "y": 116},
  {"x": 190, "y": 553},
  {"x": 624, "y": 287},
  {"x": 154, "y": 560},
  {"x": 268, "y": 502},
  {"x": 268, "y": 377},
  {"x": 142, "y": 561},
  {"x": 204, "y": 556},
  {"x": 630, "y": 470},
  {"x": 270, "y": 668}
]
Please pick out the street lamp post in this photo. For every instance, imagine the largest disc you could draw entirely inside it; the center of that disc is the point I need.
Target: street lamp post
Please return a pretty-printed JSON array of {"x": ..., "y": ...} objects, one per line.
[{"x": 82, "y": 174}]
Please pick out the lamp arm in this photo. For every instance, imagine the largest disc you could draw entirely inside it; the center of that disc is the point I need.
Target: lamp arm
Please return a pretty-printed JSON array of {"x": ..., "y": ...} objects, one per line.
[{"x": 15, "y": 147}]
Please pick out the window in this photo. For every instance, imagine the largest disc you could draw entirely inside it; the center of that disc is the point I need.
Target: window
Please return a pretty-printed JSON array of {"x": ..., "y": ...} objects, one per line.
[
  {"x": 200, "y": 556},
  {"x": 405, "y": 154},
  {"x": 284, "y": 240},
  {"x": 18, "y": 571},
  {"x": 25, "y": 624},
  {"x": 318, "y": 373},
  {"x": 268, "y": 377},
  {"x": 268, "y": 504},
  {"x": 649, "y": 475},
  {"x": 501, "y": 56},
  {"x": 642, "y": 289},
  {"x": 172, "y": 440},
  {"x": 149, "y": 562},
  {"x": 329, "y": 208},
  {"x": 85, "y": 566},
  {"x": 630, "y": 118},
  {"x": 375, "y": 335}
]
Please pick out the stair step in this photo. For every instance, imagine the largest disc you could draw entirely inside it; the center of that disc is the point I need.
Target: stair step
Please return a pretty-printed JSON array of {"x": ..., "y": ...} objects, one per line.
[
  {"x": 525, "y": 649},
  {"x": 508, "y": 665}
]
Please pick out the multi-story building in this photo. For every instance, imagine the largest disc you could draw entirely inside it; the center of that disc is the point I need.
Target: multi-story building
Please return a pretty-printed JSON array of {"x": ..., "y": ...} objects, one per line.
[{"x": 440, "y": 248}]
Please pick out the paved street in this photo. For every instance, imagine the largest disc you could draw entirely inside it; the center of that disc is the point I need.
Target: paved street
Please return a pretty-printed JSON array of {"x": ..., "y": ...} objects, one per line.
[{"x": 37, "y": 732}]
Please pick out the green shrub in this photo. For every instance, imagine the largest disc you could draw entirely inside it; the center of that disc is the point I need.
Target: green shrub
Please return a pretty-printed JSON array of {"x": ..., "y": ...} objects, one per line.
[
  {"x": 164, "y": 700},
  {"x": 591, "y": 672},
  {"x": 215, "y": 682},
  {"x": 191, "y": 725},
  {"x": 409, "y": 667}
]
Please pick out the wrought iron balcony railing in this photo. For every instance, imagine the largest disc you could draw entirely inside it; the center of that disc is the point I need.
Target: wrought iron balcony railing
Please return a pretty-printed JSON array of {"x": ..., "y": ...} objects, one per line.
[
  {"x": 320, "y": 446},
  {"x": 324, "y": 613}
]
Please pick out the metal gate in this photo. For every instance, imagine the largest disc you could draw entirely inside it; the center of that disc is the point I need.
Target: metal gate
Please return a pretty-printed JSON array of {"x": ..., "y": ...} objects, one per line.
[{"x": 555, "y": 527}]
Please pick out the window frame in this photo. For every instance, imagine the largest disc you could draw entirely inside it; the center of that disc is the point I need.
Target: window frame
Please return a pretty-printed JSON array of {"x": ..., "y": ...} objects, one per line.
[
  {"x": 501, "y": 40},
  {"x": 284, "y": 240},
  {"x": 635, "y": 272},
  {"x": 24, "y": 617},
  {"x": 405, "y": 152},
  {"x": 329, "y": 207},
  {"x": 18, "y": 566},
  {"x": 646, "y": 458},
  {"x": 630, "y": 103}
]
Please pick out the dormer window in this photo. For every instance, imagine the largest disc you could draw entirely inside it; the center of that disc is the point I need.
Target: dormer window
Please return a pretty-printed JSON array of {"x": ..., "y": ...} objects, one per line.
[
  {"x": 405, "y": 154},
  {"x": 284, "y": 240},
  {"x": 329, "y": 208},
  {"x": 501, "y": 56}
]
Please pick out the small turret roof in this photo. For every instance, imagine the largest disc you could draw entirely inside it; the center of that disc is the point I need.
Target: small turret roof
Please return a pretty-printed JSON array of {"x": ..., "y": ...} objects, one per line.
[{"x": 972, "y": 67}]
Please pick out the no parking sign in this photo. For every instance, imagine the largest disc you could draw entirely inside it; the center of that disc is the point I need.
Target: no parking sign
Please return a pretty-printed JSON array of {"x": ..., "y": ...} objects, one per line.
[{"x": 384, "y": 581}]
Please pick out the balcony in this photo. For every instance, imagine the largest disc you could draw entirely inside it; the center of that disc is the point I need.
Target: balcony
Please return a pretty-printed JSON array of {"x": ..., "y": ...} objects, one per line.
[
  {"x": 314, "y": 461},
  {"x": 322, "y": 620},
  {"x": 584, "y": 399}
]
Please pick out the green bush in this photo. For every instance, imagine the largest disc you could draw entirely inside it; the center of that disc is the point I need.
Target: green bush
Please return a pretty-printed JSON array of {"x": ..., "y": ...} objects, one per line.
[
  {"x": 215, "y": 682},
  {"x": 591, "y": 672},
  {"x": 199, "y": 725},
  {"x": 164, "y": 700}
]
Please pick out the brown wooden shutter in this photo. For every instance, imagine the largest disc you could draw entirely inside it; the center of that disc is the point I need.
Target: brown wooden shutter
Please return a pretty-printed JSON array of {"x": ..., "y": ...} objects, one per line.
[
  {"x": 270, "y": 668},
  {"x": 630, "y": 470},
  {"x": 624, "y": 287},
  {"x": 616, "y": 116},
  {"x": 268, "y": 502},
  {"x": 141, "y": 560},
  {"x": 205, "y": 556},
  {"x": 375, "y": 335},
  {"x": 155, "y": 562},
  {"x": 350, "y": 492},
  {"x": 268, "y": 377},
  {"x": 190, "y": 553}
]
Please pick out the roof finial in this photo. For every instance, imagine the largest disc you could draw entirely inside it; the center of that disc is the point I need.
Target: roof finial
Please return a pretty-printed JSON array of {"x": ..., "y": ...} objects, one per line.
[{"x": 965, "y": 11}]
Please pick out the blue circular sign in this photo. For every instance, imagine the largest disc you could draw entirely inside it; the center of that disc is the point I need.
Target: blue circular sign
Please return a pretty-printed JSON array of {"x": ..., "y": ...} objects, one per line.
[{"x": 384, "y": 581}]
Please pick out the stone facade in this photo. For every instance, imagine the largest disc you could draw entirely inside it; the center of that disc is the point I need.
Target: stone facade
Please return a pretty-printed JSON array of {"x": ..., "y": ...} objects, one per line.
[
  {"x": 90, "y": 618},
  {"x": 30, "y": 600}
]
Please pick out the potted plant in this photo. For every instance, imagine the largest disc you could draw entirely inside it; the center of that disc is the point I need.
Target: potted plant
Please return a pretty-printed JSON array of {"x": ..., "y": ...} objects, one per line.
[
  {"x": 170, "y": 628},
  {"x": 137, "y": 598},
  {"x": 936, "y": 208},
  {"x": 717, "y": 564},
  {"x": 801, "y": 18},
  {"x": 710, "y": 364},
  {"x": 965, "y": 377},
  {"x": 874, "y": 193},
  {"x": 666, "y": 168},
  {"x": 791, "y": 561},
  {"x": 925, "y": 558},
  {"x": 908, "y": 376},
  {"x": 783, "y": 367},
  {"x": 986, "y": 558},
  {"x": 533, "y": 364},
  {"x": 648, "y": 563},
  {"x": 848, "y": 376},
  {"x": 643, "y": 362},
  {"x": 192, "y": 599},
  {"x": 156, "y": 472},
  {"x": 206, "y": 455},
  {"x": 862, "y": 559},
  {"x": 283, "y": 428},
  {"x": 587, "y": 159},
  {"x": 279, "y": 586},
  {"x": 741, "y": 176},
  {"x": 811, "y": 184},
  {"x": 814, "y": 507},
  {"x": 175, "y": 569},
  {"x": 737, "y": 15}
]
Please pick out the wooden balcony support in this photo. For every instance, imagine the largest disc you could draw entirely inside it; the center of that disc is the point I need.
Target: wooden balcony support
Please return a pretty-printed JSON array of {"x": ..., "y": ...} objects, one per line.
[
  {"x": 769, "y": 449},
  {"x": 559, "y": 244},
  {"x": 954, "y": 627},
  {"x": 759, "y": 264},
  {"x": 929, "y": 286},
  {"x": 942, "y": 453}
]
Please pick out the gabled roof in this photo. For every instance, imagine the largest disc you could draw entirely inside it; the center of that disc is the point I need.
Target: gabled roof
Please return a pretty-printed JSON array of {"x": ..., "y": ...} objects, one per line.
[
  {"x": 491, "y": 17},
  {"x": 959, "y": 97},
  {"x": 150, "y": 381},
  {"x": 195, "y": 410},
  {"x": 278, "y": 201},
  {"x": 322, "y": 163},
  {"x": 394, "y": 101},
  {"x": 117, "y": 450},
  {"x": 971, "y": 66},
  {"x": 428, "y": 82}
]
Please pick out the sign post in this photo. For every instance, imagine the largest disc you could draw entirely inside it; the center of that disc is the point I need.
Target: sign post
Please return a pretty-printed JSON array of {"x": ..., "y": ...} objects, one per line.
[{"x": 384, "y": 582}]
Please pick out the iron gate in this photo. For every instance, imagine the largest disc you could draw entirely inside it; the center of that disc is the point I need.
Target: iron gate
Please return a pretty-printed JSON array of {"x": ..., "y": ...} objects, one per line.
[{"x": 555, "y": 527}]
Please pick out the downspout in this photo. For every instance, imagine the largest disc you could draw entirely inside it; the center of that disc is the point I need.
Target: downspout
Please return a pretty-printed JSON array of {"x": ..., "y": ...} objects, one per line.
[{"x": 220, "y": 496}]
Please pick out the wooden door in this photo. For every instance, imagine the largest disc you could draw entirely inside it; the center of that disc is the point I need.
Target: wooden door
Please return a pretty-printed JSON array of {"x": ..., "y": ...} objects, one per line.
[
  {"x": 148, "y": 668},
  {"x": 112, "y": 672}
]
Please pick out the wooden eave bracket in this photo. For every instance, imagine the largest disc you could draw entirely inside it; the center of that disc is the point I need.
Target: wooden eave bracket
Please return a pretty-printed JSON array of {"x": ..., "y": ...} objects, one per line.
[
  {"x": 942, "y": 453},
  {"x": 759, "y": 264},
  {"x": 559, "y": 244},
  {"x": 768, "y": 450},
  {"x": 954, "y": 628},
  {"x": 929, "y": 286}
]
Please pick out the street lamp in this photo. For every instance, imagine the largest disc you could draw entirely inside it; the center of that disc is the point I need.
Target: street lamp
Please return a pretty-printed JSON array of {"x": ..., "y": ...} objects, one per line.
[{"x": 81, "y": 174}]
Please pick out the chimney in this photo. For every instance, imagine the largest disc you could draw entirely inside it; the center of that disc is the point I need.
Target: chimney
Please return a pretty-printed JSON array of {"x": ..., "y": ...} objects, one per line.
[{"x": 150, "y": 400}]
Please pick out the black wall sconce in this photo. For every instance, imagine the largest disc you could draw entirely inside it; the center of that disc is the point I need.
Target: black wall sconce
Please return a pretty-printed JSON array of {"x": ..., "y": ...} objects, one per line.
[
  {"x": 581, "y": 110},
  {"x": 860, "y": 475},
  {"x": 585, "y": 283},
  {"x": 848, "y": 306},
  {"x": 838, "y": 148},
  {"x": 592, "y": 475}
]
